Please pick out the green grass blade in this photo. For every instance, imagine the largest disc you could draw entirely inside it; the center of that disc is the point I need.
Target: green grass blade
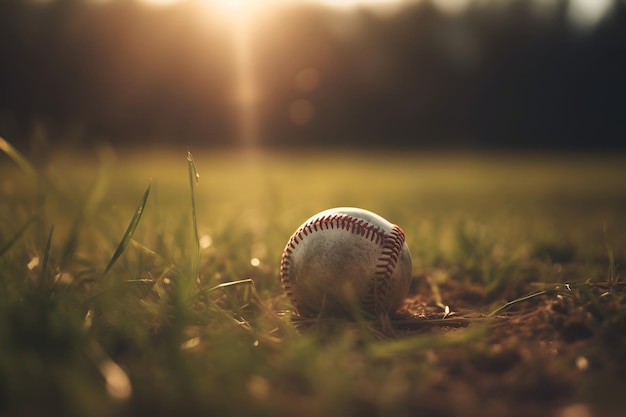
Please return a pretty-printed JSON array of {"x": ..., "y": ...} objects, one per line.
[
  {"x": 46, "y": 257},
  {"x": 130, "y": 230},
  {"x": 45, "y": 186},
  {"x": 18, "y": 158},
  {"x": 194, "y": 177},
  {"x": 9, "y": 244}
]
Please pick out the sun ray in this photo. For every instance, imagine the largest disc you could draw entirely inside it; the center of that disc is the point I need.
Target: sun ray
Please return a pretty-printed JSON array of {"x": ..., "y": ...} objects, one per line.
[{"x": 240, "y": 17}]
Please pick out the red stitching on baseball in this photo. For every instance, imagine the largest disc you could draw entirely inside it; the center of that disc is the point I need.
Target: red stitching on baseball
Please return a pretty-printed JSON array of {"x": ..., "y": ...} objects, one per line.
[
  {"x": 392, "y": 246},
  {"x": 391, "y": 243}
]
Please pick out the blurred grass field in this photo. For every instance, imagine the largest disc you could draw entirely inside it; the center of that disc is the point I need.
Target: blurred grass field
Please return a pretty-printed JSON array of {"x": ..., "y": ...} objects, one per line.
[{"x": 148, "y": 338}]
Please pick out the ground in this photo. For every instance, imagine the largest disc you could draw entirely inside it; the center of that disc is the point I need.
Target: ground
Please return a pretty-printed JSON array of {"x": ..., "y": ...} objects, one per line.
[{"x": 516, "y": 306}]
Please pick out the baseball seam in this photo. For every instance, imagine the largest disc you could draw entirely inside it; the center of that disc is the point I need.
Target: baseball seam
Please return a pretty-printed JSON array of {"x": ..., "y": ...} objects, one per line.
[
  {"x": 391, "y": 244},
  {"x": 391, "y": 248}
]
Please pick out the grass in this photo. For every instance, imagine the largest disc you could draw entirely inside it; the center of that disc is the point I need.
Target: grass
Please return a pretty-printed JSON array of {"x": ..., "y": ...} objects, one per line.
[{"x": 122, "y": 299}]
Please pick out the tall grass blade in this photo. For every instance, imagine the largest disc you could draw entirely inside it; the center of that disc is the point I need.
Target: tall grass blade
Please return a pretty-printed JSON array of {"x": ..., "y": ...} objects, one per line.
[
  {"x": 91, "y": 203},
  {"x": 9, "y": 244},
  {"x": 46, "y": 257},
  {"x": 194, "y": 177},
  {"x": 612, "y": 278},
  {"x": 130, "y": 230},
  {"x": 18, "y": 158}
]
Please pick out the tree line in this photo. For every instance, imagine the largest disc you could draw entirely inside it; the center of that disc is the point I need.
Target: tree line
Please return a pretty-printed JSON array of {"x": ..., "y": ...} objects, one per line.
[{"x": 492, "y": 76}]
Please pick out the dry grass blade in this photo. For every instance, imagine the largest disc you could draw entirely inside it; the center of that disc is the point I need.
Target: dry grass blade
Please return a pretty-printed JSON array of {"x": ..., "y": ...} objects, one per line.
[
  {"x": 224, "y": 285},
  {"x": 247, "y": 281},
  {"x": 168, "y": 265},
  {"x": 516, "y": 301},
  {"x": 562, "y": 289},
  {"x": 130, "y": 230},
  {"x": 241, "y": 322}
]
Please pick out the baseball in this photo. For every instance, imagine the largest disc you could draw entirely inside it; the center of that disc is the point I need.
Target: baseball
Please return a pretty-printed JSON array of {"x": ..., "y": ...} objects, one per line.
[{"x": 344, "y": 257}]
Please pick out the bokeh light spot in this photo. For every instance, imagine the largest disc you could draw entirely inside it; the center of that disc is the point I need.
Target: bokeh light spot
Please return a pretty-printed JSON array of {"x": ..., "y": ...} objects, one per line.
[
  {"x": 206, "y": 241},
  {"x": 117, "y": 382},
  {"x": 33, "y": 263}
]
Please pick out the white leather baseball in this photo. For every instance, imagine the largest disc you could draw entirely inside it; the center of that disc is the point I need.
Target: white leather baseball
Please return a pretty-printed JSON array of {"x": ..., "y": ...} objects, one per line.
[{"x": 345, "y": 256}]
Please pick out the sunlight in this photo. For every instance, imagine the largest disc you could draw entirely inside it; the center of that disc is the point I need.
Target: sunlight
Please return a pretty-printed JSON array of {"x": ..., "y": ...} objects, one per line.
[
  {"x": 246, "y": 96},
  {"x": 358, "y": 3},
  {"x": 237, "y": 9},
  {"x": 234, "y": 9},
  {"x": 159, "y": 2},
  {"x": 241, "y": 16},
  {"x": 585, "y": 14}
]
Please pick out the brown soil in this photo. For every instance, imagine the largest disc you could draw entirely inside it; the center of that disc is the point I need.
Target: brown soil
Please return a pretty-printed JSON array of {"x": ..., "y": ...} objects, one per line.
[{"x": 559, "y": 354}]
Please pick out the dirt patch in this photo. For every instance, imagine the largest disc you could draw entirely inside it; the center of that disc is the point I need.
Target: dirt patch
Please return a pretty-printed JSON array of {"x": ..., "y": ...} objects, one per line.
[{"x": 539, "y": 355}]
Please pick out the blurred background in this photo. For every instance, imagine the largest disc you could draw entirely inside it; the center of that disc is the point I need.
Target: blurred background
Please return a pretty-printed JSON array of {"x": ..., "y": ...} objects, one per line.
[{"x": 532, "y": 74}]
